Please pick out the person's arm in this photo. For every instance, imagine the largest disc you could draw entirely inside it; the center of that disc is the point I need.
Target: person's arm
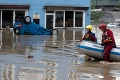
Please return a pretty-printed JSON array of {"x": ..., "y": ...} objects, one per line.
[
  {"x": 110, "y": 33},
  {"x": 82, "y": 39},
  {"x": 112, "y": 37}
]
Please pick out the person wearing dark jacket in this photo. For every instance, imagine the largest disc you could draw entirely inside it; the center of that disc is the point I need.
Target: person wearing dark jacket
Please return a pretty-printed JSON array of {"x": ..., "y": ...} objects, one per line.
[
  {"x": 89, "y": 36},
  {"x": 108, "y": 41}
]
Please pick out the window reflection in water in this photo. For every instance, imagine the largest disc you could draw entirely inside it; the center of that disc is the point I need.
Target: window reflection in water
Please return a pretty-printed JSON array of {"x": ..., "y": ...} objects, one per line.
[
  {"x": 36, "y": 73},
  {"x": 8, "y": 72}
]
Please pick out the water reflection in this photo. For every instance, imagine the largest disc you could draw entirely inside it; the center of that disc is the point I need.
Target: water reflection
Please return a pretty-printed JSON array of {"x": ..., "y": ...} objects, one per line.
[
  {"x": 35, "y": 73},
  {"x": 54, "y": 58},
  {"x": 94, "y": 71},
  {"x": 8, "y": 71},
  {"x": 106, "y": 73}
]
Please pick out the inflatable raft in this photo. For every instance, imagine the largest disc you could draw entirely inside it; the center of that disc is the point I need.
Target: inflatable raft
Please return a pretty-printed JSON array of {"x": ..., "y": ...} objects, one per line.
[{"x": 94, "y": 50}]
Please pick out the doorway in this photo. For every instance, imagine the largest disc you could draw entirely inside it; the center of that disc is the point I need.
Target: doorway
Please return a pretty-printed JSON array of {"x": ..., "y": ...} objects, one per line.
[
  {"x": 69, "y": 18},
  {"x": 49, "y": 21},
  {"x": 7, "y": 18}
]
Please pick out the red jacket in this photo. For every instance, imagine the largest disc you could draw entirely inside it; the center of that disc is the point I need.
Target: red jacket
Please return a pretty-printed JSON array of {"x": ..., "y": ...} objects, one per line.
[
  {"x": 107, "y": 37},
  {"x": 89, "y": 36}
]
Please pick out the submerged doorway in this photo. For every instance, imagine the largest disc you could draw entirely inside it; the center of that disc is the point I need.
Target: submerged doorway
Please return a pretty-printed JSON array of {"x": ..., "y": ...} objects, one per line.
[
  {"x": 69, "y": 18},
  {"x": 7, "y": 18},
  {"x": 49, "y": 21}
]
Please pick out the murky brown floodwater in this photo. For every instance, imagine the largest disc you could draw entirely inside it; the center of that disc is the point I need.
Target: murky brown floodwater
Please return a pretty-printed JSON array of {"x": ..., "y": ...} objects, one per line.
[{"x": 50, "y": 57}]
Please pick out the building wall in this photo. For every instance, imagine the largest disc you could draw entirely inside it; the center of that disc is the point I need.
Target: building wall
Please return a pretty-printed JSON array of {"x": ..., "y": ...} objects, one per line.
[{"x": 36, "y": 6}]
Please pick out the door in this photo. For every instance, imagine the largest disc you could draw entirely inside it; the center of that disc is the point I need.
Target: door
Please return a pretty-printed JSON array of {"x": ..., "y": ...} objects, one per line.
[
  {"x": 7, "y": 18},
  {"x": 49, "y": 21}
]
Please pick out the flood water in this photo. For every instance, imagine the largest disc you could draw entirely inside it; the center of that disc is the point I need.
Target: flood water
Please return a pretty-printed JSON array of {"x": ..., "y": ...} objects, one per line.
[{"x": 52, "y": 57}]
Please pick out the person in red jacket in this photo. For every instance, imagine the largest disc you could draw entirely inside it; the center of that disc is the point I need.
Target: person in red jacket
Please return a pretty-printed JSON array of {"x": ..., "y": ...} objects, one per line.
[
  {"x": 108, "y": 41},
  {"x": 89, "y": 36}
]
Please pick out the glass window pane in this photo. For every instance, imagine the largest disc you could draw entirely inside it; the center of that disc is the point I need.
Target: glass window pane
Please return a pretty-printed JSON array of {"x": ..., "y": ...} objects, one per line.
[
  {"x": 19, "y": 13},
  {"x": 78, "y": 19},
  {"x": 59, "y": 19},
  {"x": 69, "y": 18}
]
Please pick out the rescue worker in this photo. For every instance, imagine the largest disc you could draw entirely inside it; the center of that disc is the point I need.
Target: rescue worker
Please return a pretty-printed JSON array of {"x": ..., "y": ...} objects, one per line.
[
  {"x": 89, "y": 36},
  {"x": 108, "y": 41}
]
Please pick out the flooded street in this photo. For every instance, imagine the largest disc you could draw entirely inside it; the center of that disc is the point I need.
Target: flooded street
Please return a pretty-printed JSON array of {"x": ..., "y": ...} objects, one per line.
[{"x": 52, "y": 57}]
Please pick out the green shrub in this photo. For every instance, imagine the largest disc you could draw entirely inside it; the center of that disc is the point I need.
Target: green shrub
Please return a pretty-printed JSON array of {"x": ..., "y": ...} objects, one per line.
[{"x": 95, "y": 15}]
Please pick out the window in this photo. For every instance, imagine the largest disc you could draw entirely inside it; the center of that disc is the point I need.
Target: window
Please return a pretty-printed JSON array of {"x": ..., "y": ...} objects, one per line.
[
  {"x": 78, "y": 19},
  {"x": 59, "y": 19}
]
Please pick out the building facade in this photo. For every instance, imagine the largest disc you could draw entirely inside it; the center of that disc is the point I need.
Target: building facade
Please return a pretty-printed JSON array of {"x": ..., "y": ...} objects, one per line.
[{"x": 47, "y": 13}]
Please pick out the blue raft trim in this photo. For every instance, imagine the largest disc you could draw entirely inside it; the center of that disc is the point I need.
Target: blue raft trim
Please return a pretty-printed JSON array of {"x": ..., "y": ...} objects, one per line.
[{"x": 98, "y": 50}]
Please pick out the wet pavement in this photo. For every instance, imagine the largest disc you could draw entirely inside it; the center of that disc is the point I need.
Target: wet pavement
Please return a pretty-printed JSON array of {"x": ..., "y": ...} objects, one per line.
[{"x": 51, "y": 57}]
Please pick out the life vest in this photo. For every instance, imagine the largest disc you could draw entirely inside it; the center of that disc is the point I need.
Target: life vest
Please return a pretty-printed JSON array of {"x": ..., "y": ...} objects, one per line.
[
  {"x": 106, "y": 38},
  {"x": 90, "y": 37}
]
